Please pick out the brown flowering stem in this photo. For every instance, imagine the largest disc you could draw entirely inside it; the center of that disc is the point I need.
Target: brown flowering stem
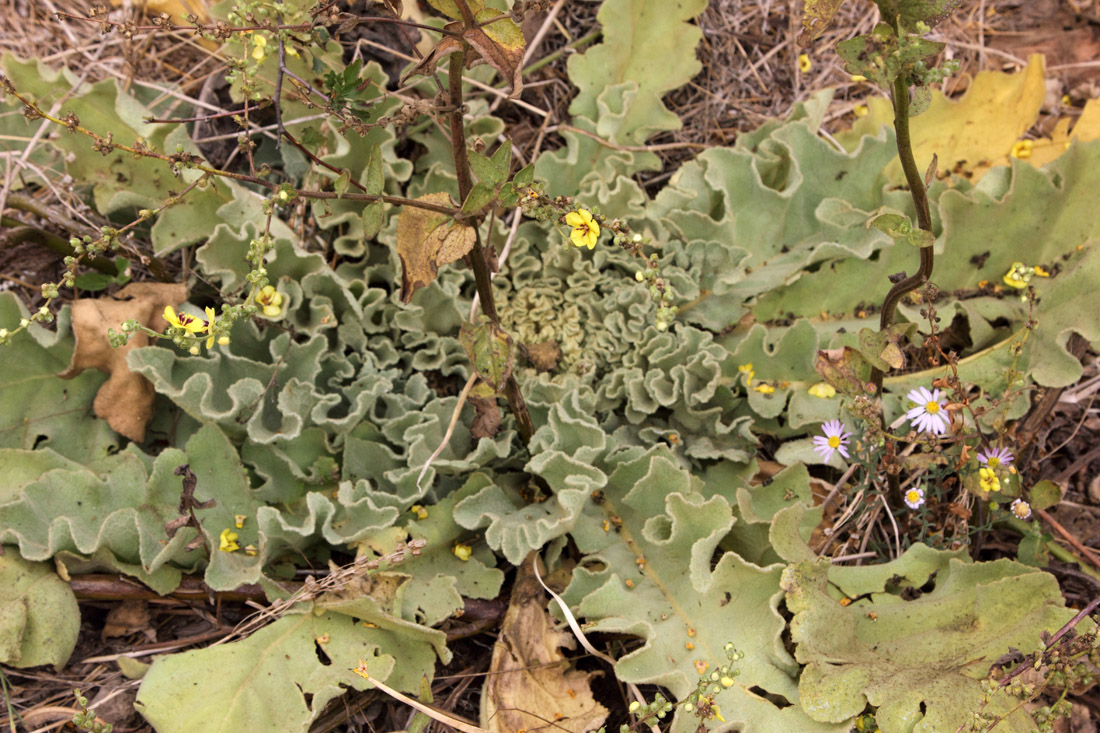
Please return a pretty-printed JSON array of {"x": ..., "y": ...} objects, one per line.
[
  {"x": 918, "y": 191},
  {"x": 476, "y": 259}
]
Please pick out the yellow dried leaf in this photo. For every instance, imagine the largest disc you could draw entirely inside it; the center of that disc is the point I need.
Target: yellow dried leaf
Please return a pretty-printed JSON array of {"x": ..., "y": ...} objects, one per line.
[
  {"x": 126, "y": 399},
  {"x": 529, "y": 681},
  {"x": 969, "y": 134},
  {"x": 427, "y": 240}
]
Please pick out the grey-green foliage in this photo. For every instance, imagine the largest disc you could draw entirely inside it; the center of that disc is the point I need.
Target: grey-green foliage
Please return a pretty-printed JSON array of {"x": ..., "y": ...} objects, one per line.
[
  {"x": 918, "y": 635},
  {"x": 315, "y": 424}
]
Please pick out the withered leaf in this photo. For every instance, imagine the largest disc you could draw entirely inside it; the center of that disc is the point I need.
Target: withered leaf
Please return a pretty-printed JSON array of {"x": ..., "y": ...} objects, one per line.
[
  {"x": 427, "y": 240},
  {"x": 486, "y": 411},
  {"x": 126, "y": 399},
  {"x": 544, "y": 356},
  {"x": 499, "y": 44},
  {"x": 529, "y": 681}
]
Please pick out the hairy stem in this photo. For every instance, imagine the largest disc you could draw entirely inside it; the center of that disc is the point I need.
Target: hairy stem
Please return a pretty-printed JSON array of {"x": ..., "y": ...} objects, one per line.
[
  {"x": 476, "y": 258},
  {"x": 917, "y": 190},
  {"x": 16, "y": 232}
]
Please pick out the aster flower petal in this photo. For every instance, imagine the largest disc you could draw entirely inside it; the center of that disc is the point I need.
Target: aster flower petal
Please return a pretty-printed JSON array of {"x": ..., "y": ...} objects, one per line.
[
  {"x": 996, "y": 457},
  {"x": 914, "y": 498},
  {"x": 928, "y": 415}
]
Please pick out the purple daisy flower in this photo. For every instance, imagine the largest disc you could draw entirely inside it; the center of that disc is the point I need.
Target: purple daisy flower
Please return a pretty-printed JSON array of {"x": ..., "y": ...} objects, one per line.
[
  {"x": 835, "y": 439},
  {"x": 995, "y": 457},
  {"x": 929, "y": 415}
]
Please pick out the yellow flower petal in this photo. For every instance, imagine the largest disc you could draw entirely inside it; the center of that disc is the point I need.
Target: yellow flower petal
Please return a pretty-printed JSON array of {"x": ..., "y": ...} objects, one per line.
[
  {"x": 822, "y": 390},
  {"x": 227, "y": 542},
  {"x": 578, "y": 218}
]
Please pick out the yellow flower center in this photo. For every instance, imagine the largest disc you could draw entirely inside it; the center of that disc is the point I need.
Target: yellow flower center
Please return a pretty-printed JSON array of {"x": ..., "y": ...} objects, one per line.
[
  {"x": 993, "y": 461},
  {"x": 834, "y": 441},
  {"x": 932, "y": 408},
  {"x": 912, "y": 496}
]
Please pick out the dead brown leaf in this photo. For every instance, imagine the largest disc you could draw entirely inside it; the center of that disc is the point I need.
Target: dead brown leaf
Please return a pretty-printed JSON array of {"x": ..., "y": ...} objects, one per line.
[
  {"x": 530, "y": 685},
  {"x": 544, "y": 356},
  {"x": 126, "y": 399},
  {"x": 499, "y": 44},
  {"x": 129, "y": 617},
  {"x": 426, "y": 240},
  {"x": 486, "y": 411}
]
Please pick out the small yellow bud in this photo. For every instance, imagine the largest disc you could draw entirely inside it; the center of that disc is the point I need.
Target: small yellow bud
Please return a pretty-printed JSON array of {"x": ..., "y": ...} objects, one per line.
[
  {"x": 822, "y": 390},
  {"x": 238, "y": 520},
  {"x": 1022, "y": 149},
  {"x": 462, "y": 552},
  {"x": 804, "y": 63}
]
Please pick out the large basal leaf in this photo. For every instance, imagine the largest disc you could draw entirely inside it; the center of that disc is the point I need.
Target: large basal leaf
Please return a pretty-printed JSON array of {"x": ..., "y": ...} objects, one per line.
[
  {"x": 39, "y": 409},
  {"x": 39, "y": 617},
  {"x": 280, "y": 678},
  {"x": 915, "y": 654}
]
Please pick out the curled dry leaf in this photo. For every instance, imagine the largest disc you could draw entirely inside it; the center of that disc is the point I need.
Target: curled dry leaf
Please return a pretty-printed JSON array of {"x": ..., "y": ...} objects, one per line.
[
  {"x": 427, "y": 240},
  {"x": 126, "y": 399},
  {"x": 499, "y": 44},
  {"x": 486, "y": 412},
  {"x": 529, "y": 683}
]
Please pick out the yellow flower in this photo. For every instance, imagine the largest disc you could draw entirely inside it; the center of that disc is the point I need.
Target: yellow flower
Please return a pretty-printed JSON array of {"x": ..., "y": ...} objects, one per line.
[
  {"x": 186, "y": 321},
  {"x": 1017, "y": 276},
  {"x": 763, "y": 388},
  {"x": 860, "y": 110},
  {"x": 419, "y": 511},
  {"x": 586, "y": 230},
  {"x": 271, "y": 300},
  {"x": 822, "y": 390},
  {"x": 361, "y": 670},
  {"x": 988, "y": 480},
  {"x": 746, "y": 369},
  {"x": 228, "y": 541},
  {"x": 804, "y": 63},
  {"x": 462, "y": 552},
  {"x": 857, "y": 78},
  {"x": 210, "y": 326},
  {"x": 238, "y": 520},
  {"x": 259, "y": 52},
  {"x": 1040, "y": 271},
  {"x": 1022, "y": 149}
]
